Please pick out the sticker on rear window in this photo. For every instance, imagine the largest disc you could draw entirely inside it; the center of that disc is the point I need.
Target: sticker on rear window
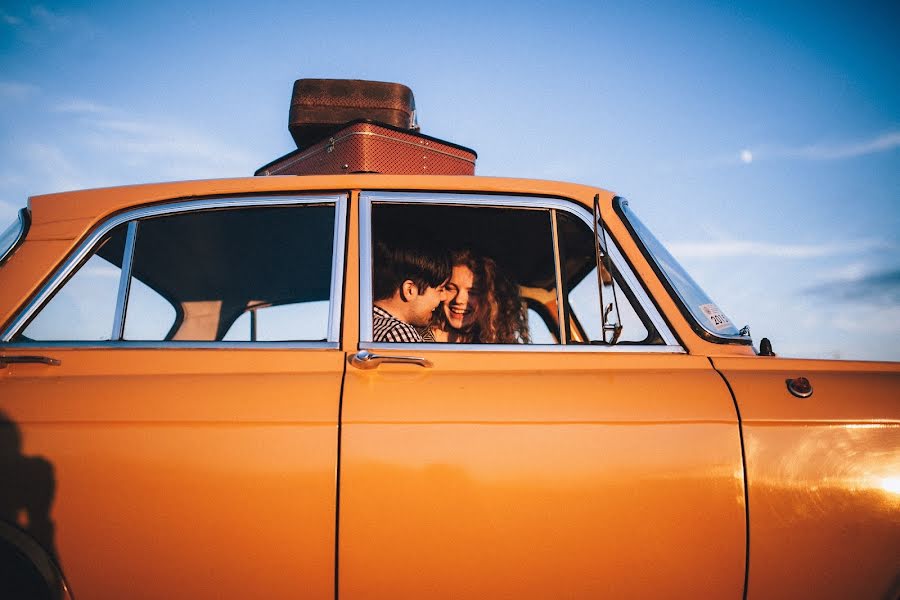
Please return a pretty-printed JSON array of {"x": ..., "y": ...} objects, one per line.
[{"x": 715, "y": 316}]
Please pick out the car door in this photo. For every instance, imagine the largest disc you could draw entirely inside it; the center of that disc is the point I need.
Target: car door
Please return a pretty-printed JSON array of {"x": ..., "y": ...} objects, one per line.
[
  {"x": 559, "y": 468},
  {"x": 171, "y": 398},
  {"x": 823, "y": 475}
]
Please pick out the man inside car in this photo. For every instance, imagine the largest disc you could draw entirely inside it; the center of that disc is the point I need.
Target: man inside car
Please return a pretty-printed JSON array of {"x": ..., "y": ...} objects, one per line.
[{"x": 409, "y": 285}]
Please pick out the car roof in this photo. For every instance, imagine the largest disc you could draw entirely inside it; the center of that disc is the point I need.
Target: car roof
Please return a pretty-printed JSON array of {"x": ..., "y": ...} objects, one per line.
[{"x": 53, "y": 211}]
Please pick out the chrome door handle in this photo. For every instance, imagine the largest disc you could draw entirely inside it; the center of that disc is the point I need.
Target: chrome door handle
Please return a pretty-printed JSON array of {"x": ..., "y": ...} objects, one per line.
[
  {"x": 41, "y": 360},
  {"x": 367, "y": 360}
]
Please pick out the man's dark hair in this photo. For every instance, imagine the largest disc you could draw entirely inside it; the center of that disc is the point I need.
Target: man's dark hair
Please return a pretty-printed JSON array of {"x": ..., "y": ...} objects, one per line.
[{"x": 424, "y": 266}]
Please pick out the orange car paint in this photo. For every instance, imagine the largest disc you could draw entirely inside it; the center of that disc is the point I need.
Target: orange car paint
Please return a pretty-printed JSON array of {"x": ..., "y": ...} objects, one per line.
[{"x": 194, "y": 473}]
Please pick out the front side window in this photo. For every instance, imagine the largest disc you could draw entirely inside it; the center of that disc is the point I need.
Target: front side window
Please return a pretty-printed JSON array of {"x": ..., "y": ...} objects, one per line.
[
  {"x": 475, "y": 273},
  {"x": 230, "y": 273},
  {"x": 516, "y": 271}
]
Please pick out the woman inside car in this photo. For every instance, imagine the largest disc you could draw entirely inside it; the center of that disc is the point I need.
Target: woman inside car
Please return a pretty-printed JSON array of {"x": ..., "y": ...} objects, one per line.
[{"x": 481, "y": 305}]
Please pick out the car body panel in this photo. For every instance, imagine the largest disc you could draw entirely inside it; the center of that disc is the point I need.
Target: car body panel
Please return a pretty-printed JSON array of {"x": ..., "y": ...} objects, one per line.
[
  {"x": 224, "y": 469},
  {"x": 536, "y": 475},
  {"x": 177, "y": 466},
  {"x": 823, "y": 476}
]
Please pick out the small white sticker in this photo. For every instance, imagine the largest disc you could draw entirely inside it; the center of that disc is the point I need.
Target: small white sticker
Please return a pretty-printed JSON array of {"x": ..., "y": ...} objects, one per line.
[{"x": 715, "y": 316}]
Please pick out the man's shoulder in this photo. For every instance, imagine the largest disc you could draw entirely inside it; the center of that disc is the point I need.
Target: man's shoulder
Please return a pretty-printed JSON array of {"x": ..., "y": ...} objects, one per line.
[{"x": 388, "y": 328}]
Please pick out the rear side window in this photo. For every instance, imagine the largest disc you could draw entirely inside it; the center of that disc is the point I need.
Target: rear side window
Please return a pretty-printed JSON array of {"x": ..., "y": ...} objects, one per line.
[{"x": 242, "y": 274}]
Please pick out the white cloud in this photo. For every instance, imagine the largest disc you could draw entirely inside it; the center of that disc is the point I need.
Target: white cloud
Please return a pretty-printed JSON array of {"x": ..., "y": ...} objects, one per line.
[
  {"x": 740, "y": 248},
  {"x": 82, "y": 107},
  {"x": 828, "y": 150},
  {"x": 17, "y": 90},
  {"x": 103, "y": 145},
  {"x": 10, "y": 19},
  {"x": 50, "y": 20},
  {"x": 52, "y": 167}
]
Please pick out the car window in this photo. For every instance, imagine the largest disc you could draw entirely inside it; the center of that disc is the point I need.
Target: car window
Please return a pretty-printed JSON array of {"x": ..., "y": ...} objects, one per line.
[
  {"x": 83, "y": 309},
  {"x": 203, "y": 276},
  {"x": 583, "y": 292},
  {"x": 524, "y": 240},
  {"x": 507, "y": 253}
]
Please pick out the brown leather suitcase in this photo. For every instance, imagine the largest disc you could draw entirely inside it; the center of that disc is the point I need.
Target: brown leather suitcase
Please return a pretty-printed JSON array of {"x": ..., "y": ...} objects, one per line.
[
  {"x": 365, "y": 146},
  {"x": 319, "y": 107}
]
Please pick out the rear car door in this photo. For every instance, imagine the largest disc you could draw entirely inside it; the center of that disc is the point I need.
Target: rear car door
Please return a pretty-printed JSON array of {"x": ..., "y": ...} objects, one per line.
[
  {"x": 560, "y": 468},
  {"x": 170, "y": 401}
]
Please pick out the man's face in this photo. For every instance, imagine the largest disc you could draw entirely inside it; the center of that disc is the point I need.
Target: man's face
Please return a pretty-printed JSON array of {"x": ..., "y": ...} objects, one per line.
[{"x": 423, "y": 304}]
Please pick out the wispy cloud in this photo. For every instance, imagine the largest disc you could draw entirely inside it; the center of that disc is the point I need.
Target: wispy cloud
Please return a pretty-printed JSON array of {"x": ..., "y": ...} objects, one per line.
[
  {"x": 82, "y": 107},
  {"x": 17, "y": 90},
  {"x": 51, "y": 165},
  {"x": 104, "y": 145},
  {"x": 741, "y": 248},
  {"x": 820, "y": 151},
  {"x": 51, "y": 20},
  {"x": 825, "y": 150},
  {"x": 859, "y": 284},
  {"x": 40, "y": 25},
  {"x": 137, "y": 140},
  {"x": 10, "y": 19}
]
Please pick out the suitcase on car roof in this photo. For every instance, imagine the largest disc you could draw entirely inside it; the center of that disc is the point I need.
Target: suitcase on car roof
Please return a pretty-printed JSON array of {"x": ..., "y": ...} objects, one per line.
[
  {"x": 320, "y": 107},
  {"x": 366, "y": 146}
]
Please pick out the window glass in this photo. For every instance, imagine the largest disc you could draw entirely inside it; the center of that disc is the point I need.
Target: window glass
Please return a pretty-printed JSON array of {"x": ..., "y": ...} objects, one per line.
[
  {"x": 84, "y": 307},
  {"x": 201, "y": 272},
  {"x": 502, "y": 259},
  {"x": 12, "y": 234},
  {"x": 297, "y": 321},
  {"x": 700, "y": 306},
  {"x": 583, "y": 295},
  {"x": 540, "y": 333}
]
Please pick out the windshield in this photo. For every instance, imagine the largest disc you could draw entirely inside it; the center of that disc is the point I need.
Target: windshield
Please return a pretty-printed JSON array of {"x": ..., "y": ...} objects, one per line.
[
  {"x": 12, "y": 234},
  {"x": 700, "y": 309}
]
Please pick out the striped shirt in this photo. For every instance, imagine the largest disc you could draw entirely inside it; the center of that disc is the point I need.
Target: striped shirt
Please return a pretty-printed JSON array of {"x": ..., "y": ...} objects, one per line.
[{"x": 387, "y": 328}]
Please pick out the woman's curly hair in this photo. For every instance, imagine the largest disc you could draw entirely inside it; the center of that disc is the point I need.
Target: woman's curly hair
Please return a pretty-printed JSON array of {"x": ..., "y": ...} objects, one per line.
[{"x": 502, "y": 317}]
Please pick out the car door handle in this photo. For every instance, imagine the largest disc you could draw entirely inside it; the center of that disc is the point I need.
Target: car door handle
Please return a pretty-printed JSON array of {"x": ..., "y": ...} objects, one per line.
[
  {"x": 368, "y": 360},
  {"x": 41, "y": 360}
]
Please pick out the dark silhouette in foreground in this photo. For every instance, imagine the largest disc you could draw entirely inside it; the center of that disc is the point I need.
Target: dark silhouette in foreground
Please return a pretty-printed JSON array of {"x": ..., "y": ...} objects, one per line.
[{"x": 27, "y": 489}]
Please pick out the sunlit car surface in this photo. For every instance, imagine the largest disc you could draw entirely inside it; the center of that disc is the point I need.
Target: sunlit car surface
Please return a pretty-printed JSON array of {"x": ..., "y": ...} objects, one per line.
[{"x": 191, "y": 405}]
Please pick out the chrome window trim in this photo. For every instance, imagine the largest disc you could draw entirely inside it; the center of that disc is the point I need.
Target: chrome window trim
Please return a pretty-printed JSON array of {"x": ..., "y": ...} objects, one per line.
[
  {"x": 85, "y": 248},
  {"x": 336, "y": 303},
  {"x": 522, "y": 202},
  {"x": 442, "y": 347},
  {"x": 23, "y": 220},
  {"x": 174, "y": 345},
  {"x": 118, "y": 330}
]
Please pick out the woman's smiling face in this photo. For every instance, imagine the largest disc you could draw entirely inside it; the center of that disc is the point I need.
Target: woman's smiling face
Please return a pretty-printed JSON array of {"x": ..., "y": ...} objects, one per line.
[{"x": 463, "y": 298}]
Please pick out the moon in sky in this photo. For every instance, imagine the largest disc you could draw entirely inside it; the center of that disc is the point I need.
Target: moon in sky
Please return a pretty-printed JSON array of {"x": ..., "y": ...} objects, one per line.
[{"x": 746, "y": 157}]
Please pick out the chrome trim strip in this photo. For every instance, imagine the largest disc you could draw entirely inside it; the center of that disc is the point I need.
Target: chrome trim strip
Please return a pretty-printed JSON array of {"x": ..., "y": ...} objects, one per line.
[
  {"x": 176, "y": 345},
  {"x": 337, "y": 270},
  {"x": 365, "y": 269},
  {"x": 557, "y": 264},
  {"x": 118, "y": 329},
  {"x": 151, "y": 211},
  {"x": 475, "y": 199},
  {"x": 24, "y": 221},
  {"x": 439, "y": 347}
]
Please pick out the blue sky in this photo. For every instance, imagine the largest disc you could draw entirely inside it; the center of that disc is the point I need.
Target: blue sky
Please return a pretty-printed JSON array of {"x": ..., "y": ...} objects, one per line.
[{"x": 761, "y": 143}]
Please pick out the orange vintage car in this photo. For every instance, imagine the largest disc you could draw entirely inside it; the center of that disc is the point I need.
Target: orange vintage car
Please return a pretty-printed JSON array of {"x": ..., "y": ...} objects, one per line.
[{"x": 192, "y": 404}]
